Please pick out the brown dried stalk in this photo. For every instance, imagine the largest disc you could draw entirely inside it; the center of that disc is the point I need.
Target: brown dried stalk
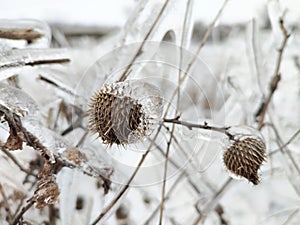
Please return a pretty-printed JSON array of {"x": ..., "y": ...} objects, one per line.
[
  {"x": 205, "y": 126},
  {"x": 127, "y": 70},
  {"x": 126, "y": 186},
  {"x": 29, "y": 35},
  {"x": 6, "y": 204},
  {"x": 23, "y": 211},
  {"x": 165, "y": 175},
  {"x": 260, "y": 115}
]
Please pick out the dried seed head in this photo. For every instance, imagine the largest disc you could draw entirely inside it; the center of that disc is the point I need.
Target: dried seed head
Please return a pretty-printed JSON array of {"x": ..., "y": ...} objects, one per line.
[
  {"x": 244, "y": 157},
  {"x": 118, "y": 115},
  {"x": 47, "y": 192}
]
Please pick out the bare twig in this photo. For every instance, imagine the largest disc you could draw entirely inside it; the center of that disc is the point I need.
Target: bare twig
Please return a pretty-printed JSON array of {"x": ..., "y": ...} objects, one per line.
[
  {"x": 126, "y": 72},
  {"x": 56, "y": 85},
  {"x": 196, "y": 54},
  {"x": 23, "y": 211},
  {"x": 15, "y": 123},
  {"x": 20, "y": 34},
  {"x": 291, "y": 216},
  {"x": 286, "y": 144},
  {"x": 260, "y": 115},
  {"x": 284, "y": 150},
  {"x": 6, "y": 204},
  {"x": 167, "y": 196},
  {"x": 179, "y": 167},
  {"x": 205, "y": 126},
  {"x": 212, "y": 204},
  {"x": 126, "y": 186},
  {"x": 165, "y": 175},
  {"x": 185, "y": 21},
  {"x": 254, "y": 49},
  {"x": 9, "y": 155}
]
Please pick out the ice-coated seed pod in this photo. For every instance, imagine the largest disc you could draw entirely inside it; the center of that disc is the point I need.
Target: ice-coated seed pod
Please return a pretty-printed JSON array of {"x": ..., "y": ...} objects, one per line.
[
  {"x": 244, "y": 157},
  {"x": 124, "y": 112}
]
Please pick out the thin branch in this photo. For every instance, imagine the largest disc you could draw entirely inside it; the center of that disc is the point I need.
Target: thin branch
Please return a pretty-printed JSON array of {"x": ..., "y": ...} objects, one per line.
[
  {"x": 127, "y": 70},
  {"x": 160, "y": 150},
  {"x": 183, "y": 35},
  {"x": 9, "y": 155},
  {"x": 52, "y": 82},
  {"x": 196, "y": 54},
  {"x": 15, "y": 124},
  {"x": 291, "y": 216},
  {"x": 167, "y": 196},
  {"x": 205, "y": 126},
  {"x": 286, "y": 144},
  {"x": 260, "y": 115},
  {"x": 165, "y": 175},
  {"x": 6, "y": 204},
  {"x": 182, "y": 149},
  {"x": 213, "y": 202},
  {"x": 126, "y": 186},
  {"x": 254, "y": 49},
  {"x": 23, "y": 211},
  {"x": 82, "y": 139},
  {"x": 20, "y": 34},
  {"x": 284, "y": 150}
]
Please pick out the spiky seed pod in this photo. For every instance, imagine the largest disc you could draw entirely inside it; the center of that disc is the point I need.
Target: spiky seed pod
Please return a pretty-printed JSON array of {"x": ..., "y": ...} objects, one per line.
[
  {"x": 244, "y": 157},
  {"x": 116, "y": 116}
]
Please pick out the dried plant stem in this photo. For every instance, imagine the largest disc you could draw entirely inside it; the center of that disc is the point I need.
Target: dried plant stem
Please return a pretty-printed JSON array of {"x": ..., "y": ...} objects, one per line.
[
  {"x": 170, "y": 191},
  {"x": 179, "y": 167},
  {"x": 126, "y": 186},
  {"x": 165, "y": 175},
  {"x": 291, "y": 216},
  {"x": 15, "y": 123},
  {"x": 254, "y": 49},
  {"x": 183, "y": 35},
  {"x": 196, "y": 54},
  {"x": 284, "y": 150},
  {"x": 276, "y": 77},
  {"x": 52, "y": 82},
  {"x": 205, "y": 126},
  {"x": 126, "y": 72},
  {"x": 213, "y": 202},
  {"x": 182, "y": 149},
  {"x": 6, "y": 204},
  {"x": 286, "y": 144},
  {"x": 23, "y": 211},
  {"x": 20, "y": 34},
  {"x": 9, "y": 155}
]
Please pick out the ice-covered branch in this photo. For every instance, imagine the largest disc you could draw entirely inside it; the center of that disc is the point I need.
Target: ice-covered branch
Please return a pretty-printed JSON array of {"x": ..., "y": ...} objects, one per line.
[{"x": 260, "y": 115}]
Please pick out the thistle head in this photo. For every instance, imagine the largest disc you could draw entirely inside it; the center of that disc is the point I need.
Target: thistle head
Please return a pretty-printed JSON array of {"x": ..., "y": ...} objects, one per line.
[
  {"x": 121, "y": 113},
  {"x": 245, "y": 156}
]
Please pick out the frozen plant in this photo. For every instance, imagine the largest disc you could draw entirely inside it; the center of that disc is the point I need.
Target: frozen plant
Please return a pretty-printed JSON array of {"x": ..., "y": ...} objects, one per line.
[{"x": 141, "y": 126}]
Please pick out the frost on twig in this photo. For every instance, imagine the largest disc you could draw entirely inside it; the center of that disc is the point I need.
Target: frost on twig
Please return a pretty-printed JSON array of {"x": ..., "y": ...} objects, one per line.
[
  {"x": 17, "y": 107},
  {"x": 15, "y": 60},
  {"x": 29, "y": 30}
]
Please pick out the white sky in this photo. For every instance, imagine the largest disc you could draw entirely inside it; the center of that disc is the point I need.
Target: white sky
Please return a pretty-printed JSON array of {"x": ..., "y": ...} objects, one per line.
[{"x": 115, "y": 12}]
